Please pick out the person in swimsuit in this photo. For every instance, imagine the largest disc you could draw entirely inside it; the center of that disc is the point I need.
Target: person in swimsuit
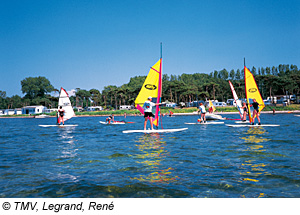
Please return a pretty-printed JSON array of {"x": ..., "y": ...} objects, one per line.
[
  {"x": 148, "y": 112},
  {"x": 245, "y": 111},
  {"x": 61, "y": 113},
  {"x": 255, "y": 105},
  {"x": 111, "y": 117},
  {"x": 203, "y": 111}
]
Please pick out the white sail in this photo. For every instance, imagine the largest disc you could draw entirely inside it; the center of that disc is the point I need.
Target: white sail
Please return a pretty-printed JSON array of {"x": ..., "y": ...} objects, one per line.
[
  {"x": 65, "y": 103},
  {"x": 236, "y": 99}
]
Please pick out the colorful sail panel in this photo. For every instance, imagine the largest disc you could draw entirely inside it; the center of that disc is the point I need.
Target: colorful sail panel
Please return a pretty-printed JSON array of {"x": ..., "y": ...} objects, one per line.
[
  {"x": 237, "y": 101},
  {"x": 151, "y": 87},
  {"x": 65, "y": 102},
  {"x": 210, "y": 105},
  {"x": 252, "y": 92}
]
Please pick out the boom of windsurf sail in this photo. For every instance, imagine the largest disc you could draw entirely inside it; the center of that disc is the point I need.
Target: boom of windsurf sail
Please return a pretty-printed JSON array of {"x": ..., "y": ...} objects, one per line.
[
  {"x": 151, "y": 87},
  {"x": 237, "y": 101},
  {"x": 252, "y": 92},
  {"x": 65, "y": 103}
]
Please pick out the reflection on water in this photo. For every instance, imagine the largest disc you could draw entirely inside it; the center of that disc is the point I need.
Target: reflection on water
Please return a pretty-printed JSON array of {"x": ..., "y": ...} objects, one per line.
[
  {"x": 95, "y": 161},
  {"x": 253, "y": 169},
  {"x": 67, "y": 152},
  {"x": 153, "y": 154},
  {"x": 252, "y": 136},
  {"x": 68, "y": 147}
]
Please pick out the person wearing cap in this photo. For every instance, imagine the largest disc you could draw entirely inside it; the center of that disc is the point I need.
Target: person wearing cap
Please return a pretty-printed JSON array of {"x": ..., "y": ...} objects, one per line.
[{"x": 148, "y": 112}]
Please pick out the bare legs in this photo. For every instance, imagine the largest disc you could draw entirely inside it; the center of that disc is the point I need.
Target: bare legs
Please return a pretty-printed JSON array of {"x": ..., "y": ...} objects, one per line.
[
  {"x": 151, "y": 122},
  {"x": 255, "y": 114}
]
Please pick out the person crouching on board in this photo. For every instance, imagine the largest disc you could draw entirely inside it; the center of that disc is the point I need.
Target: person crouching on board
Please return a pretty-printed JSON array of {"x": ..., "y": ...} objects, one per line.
[
  {"x": 110, "y": 118},
  {"x": 245, "y": 111},
  {"x": 203, "y": 111},
  {"x": 60, "y": 114},
  {"x": 148, "y": 112},
  {"x": 255, "y": 111}
]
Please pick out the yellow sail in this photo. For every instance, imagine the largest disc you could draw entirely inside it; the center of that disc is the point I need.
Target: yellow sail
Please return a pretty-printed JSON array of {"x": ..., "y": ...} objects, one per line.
[
  {"x": 151, "y": 87},
  {"x": 212, "y": 106},
  {"x": 252, "y": 92}
]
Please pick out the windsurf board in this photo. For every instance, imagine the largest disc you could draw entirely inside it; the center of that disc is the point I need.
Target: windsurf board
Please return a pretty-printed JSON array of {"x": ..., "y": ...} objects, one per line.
[
  {"x": 112, "y": 123},
  {"x": 155, "y": 131},
  {"x": 207, "y": 123},
  {"x": 45, "y": 126},
  {"x": 256, "y": 125}
]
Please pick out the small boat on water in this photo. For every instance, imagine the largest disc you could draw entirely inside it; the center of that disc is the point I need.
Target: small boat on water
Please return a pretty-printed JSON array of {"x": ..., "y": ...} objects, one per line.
[{"x": 212, "y": 116}]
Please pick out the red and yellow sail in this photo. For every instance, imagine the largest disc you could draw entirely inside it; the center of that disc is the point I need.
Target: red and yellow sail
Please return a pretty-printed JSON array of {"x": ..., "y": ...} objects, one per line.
[
  {"x": 252, "y": 92},
  {"x": 210, "y": 105},
  {"x": 151, "y": 87}
]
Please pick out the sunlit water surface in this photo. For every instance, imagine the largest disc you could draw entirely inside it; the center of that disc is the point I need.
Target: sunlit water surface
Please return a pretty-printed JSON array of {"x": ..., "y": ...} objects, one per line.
[{"x": 95, "y": 160}]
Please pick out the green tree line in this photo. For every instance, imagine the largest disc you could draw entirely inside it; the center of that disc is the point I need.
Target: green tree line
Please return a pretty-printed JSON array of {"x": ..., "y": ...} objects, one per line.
[{"x": 176, "y": 88}]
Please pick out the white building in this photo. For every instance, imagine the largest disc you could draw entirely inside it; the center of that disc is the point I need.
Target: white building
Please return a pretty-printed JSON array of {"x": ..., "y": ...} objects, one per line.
[
  {"x": 95, "y": 108},
  {"x": 33, "y": 109},
  {"x": 50, "y": 110},
  {"x": 18, "y": 111},
  {"x": 171, "y": 105},
  {"x": 126, "y": 107},
  {"x": 9, "y": 112}
]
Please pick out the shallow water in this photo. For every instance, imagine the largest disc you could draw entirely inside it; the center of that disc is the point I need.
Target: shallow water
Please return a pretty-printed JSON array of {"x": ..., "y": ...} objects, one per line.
[{"x": 95, "y": 160}]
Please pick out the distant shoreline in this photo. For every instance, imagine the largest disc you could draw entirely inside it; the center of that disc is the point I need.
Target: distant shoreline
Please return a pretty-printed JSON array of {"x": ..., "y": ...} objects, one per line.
[{"x": 175, "y": 114}]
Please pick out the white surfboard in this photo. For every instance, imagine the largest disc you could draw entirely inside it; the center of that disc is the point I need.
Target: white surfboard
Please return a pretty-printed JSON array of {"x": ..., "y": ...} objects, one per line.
[
  {"x": 256, "y": 125},
  {"x": 155, "y": 131},
  {"x": 207, "y": 123},
  {"x": 296, "y": 115},
  {"x": 242, "y": 122},
  {"x": 112, "y": 123},
  {"x": 45, "y": 126}
]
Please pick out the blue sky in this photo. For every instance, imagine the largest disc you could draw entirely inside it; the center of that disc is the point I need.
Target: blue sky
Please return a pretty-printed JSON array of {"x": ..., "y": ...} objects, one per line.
[{"x": 91, "y": 44}]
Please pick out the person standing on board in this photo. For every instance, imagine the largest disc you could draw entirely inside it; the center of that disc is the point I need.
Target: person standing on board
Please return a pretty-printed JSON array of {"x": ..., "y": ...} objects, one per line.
[
  {"x": 148, "y": 112},
  {"x": 245, "y": 111},
  {"x": 203, "y": 111},
  {"x": 255, "y": 111},
  {"x": 60, "y": 114}
]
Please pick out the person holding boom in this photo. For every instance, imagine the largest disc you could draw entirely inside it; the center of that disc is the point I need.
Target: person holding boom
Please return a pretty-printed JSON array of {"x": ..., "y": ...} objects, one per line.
[
  {"x": 148, "y": 112},
  {"x": 255, "y": 111}
]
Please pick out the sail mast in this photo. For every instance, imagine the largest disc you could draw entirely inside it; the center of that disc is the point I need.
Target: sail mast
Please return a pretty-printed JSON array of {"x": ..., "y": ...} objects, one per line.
[
  {"x": 247, "y": 99},
  {"x": 157, "y": 111}
]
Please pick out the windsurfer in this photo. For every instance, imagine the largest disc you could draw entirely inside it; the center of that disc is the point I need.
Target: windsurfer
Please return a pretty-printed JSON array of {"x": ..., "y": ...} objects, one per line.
[
  {"x": 203, "y": 111},
  {"x": 60, "y": 114},
  {"x": 245, "y": 109},
  {"x": 111, "y": 117},
  {"x": 255, "y": 111},
  {"x": 148, "y": 112}
]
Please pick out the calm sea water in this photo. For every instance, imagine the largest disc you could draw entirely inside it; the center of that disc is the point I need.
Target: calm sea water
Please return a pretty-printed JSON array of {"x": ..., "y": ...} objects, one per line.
[{"x": 95, "y": 160}]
